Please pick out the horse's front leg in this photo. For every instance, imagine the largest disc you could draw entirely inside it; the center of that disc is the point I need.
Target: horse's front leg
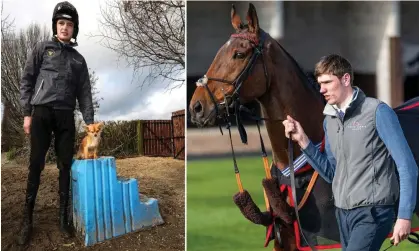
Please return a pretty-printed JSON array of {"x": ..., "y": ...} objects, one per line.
[
  {"x": 277, "y": 200},
  {"x": 277, "y": 246},
  {"x": 288, "y": 238},
  {"x": 281, "y": 208},
  {"x": 275, "y": 197}
]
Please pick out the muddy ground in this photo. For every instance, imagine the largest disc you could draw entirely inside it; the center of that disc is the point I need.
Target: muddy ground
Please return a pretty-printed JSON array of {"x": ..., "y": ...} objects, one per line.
[{"x": 160, "y": 178}]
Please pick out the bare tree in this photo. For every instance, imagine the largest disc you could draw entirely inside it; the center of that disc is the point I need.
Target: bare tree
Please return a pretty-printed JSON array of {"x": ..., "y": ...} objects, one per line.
[
  {"x": 95, "y": 92},
  {"x": 15, "y": 48},
  {"x": 149, "y": 35}
]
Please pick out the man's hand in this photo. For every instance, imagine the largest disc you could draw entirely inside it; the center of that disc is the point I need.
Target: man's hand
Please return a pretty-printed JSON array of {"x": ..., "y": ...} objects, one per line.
[
  {"x": 401, "y": 231},
  {"x": 27, "y": 121},
  {"x": 297, "y": 133}
]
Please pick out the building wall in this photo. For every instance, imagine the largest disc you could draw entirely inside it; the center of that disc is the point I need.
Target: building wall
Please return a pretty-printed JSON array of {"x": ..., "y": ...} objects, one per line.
[
  {"x": 410, "y": 35},
  {"x": 410, "y": 21},
  {"x": 309, "y": 34},
  {"x": 208, "y": 28}
]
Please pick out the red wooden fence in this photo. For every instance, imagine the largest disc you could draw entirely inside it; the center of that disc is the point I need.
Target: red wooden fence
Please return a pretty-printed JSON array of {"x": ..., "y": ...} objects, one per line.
[
  {"x": 178, "y": 125},
  {"x": 165, "y": 138},
  {"x": 157, "y": 138}
]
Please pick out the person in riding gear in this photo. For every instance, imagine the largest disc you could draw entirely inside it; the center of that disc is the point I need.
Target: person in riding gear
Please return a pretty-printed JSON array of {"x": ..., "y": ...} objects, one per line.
[
  {"x": 365, "y": 148},
  {"x": 54, "y": 77}
]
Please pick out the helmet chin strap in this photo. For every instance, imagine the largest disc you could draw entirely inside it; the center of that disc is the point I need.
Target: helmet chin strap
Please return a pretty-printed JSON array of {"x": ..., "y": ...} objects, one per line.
[{"x": 71, "y": 42}]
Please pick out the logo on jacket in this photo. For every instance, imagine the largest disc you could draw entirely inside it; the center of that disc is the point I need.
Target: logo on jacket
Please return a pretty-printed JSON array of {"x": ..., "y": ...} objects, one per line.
[
  {"x": 356, "y": 126},
  {"x": 50, "y": 52}
]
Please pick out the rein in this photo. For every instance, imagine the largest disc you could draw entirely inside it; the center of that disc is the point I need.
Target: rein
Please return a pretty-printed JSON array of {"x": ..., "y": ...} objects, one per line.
[
  {"x": 411, "y": 239},
  {"x": 237, "y": 82}
]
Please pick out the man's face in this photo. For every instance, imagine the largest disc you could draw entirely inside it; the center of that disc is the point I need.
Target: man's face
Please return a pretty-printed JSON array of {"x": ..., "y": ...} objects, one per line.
[
  {"x": 333, "y": 88},
  {"x": 64, "y": 29}
]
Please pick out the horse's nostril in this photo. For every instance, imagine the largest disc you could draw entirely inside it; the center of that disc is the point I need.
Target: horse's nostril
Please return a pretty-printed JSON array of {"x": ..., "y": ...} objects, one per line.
[{"x": 198, "y": 107}]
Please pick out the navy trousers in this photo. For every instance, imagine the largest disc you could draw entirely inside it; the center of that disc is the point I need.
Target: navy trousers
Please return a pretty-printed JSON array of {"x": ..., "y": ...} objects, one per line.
[{"x": 365, "y": 228}]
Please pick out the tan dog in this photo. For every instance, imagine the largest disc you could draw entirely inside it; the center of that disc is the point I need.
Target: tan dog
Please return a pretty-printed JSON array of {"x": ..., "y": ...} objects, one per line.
[{"x": 89, "y": 146}]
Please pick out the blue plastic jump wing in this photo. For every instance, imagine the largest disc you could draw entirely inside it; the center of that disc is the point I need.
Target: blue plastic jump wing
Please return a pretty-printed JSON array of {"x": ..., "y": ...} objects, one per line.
[{"x": 106, "y": 206}]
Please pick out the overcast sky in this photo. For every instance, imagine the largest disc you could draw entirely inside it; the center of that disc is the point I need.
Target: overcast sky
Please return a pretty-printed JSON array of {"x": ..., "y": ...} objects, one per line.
[{"x": 123, "y": 100}]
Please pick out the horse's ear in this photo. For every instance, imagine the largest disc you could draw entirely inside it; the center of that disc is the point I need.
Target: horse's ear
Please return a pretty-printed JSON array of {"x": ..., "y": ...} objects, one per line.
[
  {"x": 235, "y": 19},
  {"x": 252, "y": 19}
]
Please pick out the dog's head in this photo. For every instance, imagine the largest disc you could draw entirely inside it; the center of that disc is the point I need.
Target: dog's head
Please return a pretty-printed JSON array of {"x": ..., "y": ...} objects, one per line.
[{"x": 94, "y": 130}]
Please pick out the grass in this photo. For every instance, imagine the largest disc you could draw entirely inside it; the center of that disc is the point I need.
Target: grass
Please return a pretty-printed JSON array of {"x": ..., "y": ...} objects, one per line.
[{"x": 213, "y": 220}]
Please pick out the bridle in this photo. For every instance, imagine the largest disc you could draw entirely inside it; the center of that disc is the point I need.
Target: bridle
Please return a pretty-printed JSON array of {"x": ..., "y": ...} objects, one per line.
[{"x": 237, "y": 83}]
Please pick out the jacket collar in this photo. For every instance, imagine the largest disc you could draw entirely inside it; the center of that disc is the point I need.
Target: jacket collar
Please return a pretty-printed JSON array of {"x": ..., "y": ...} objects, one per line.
[
  {"x": 357, "y": 98},
  {"x": 70, "y": 44}
]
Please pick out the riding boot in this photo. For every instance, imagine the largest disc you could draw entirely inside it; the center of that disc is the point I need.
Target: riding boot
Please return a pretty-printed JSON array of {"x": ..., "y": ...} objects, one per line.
[
  {"x": 65, "y": 225},
  {"x": 26, "y": 228},
  {"x": 64, "y": 215}
]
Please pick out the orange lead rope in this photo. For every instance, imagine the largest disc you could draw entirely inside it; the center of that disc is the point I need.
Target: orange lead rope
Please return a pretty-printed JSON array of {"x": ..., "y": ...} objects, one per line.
[
  {"x": 264, "y": 155},
  {"x": 236, "y": 169},
  {"x": 239, "y": 182},
  {"x": 265, "y": 166},
  {"x": 268, "y": 176}
]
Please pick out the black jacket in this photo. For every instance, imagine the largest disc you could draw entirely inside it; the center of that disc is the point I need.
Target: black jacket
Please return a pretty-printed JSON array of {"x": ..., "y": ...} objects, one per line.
[{"x": 56, "y": 75}]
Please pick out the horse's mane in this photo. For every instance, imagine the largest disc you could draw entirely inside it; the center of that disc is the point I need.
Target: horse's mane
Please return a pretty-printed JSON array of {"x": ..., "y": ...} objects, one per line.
[{"x": 309, "y": 81}]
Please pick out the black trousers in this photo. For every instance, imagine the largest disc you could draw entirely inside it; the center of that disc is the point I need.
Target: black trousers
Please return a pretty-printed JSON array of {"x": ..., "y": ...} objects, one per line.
[{"x": 46, "y": 121}]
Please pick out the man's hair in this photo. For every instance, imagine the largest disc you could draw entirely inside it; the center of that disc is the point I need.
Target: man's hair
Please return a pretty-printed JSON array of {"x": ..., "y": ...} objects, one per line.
[{"x": 335, "y": 65}]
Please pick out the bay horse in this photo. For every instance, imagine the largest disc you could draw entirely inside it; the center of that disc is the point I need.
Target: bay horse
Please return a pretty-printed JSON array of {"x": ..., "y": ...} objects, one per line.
[{"x": 250, "y": 66}]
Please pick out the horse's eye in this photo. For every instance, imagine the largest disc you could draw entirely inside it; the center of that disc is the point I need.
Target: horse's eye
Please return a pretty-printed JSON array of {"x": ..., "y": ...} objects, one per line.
[{"x": 239, "y": 55}]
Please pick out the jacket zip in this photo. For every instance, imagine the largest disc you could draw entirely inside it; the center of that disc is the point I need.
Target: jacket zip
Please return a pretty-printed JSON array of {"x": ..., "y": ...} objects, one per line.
[
  {"x": 342, "y": 149},
  {"x": 346, "y": 165},
  {"x": 37, "y": 92},
  {"x": 346, "y": 161}
]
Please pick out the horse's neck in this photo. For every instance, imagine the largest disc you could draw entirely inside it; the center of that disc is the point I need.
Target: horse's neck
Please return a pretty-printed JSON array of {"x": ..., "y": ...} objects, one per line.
[{"x": 288, "y": 96}]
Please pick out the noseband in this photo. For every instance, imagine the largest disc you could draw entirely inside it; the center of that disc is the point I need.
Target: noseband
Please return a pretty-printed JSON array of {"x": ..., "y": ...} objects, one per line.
[{"x": 238, "y": 81}]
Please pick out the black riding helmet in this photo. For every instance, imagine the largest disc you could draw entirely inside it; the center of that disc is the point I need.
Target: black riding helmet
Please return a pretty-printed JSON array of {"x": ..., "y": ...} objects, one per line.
[{"x": 65, "y": 10}]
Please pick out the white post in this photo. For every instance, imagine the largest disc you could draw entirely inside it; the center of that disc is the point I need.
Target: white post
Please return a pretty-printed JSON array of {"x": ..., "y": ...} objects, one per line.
[
  {"x": 277, "y": 22},
  {"x": 384, "y": 59}
]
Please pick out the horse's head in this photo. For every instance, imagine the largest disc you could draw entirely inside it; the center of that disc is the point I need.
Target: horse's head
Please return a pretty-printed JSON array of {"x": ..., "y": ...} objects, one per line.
[{"x": 237, "y": 71}]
